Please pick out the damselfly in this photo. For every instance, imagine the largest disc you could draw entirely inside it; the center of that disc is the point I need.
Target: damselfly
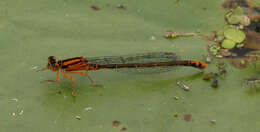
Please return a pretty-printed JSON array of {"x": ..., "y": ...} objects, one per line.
[{"x": 148, "y": 60}]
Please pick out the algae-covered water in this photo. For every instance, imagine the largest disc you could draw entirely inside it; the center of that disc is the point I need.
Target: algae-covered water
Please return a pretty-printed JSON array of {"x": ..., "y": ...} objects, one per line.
[{"x": 31, "y": 30}]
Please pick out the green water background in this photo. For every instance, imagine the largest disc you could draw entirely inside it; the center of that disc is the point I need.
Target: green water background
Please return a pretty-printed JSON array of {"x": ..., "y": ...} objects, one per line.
[{"x": 30, "y": 31}]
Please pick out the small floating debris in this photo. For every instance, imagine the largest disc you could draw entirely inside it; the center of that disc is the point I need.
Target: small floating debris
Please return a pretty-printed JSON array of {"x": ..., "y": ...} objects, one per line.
[
  {"x": 212, "y": 76},
  {"x": 214, "y": 83},
  {"x": 116, "y": 123},
  {"x": 14, "y": 99},
  {"x": 121, "y": 6},
  {"x": 176, "y": 97},
  {"x": 187, "y": 117},
  {"x": 78, "y": 117},
  {"x": 21, "y": 112},
  {"x": 221, "y": 69},
  {"x": 213, "y": 121},
  {"x": 208, "y": 59},
  {"x": 88, "y": 108},
  {"x": 245, "y": 20},
  {"x": 221, "y": 65},
  {"x": 17, "y": 113},
  {"x": 182, "y": 85},
  {"x": 172, "y": 35},
  {"x": 13, "y": 114},
  {"x": 198, "y": 30},
  {"x": 153, "y": 38},
  {"x": 207, "y": 76},
  {"x": 219, "y": 39},
  {"x": 242, "y": 62},
  {"x": 94, "y": 7},
  {"x": 123, "y": 129},
  {"x": 176, "y": 115}
]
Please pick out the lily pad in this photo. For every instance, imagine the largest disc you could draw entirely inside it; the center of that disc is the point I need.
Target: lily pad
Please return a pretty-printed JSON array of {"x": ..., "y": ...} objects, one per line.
[
  {"x": 234, "y": 34},
  {"x": 228, "y": 44}
]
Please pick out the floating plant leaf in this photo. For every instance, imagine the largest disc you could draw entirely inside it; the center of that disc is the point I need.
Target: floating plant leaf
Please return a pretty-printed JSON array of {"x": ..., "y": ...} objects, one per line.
[
  {"x": 235, "y": 16},
  {"x": 228, "y": 44},
  {"x": 234, "y": 19},
  {"x": 238, "y": 11},
  {"x": 235, "y": 12},
  {"x": 234, "y": 34}
]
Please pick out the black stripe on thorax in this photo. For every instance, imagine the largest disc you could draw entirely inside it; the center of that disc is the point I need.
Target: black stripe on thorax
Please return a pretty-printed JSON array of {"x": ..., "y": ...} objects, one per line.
[
  {"x": 62, "y": 65},
  {"x": 71, "y": 59}
]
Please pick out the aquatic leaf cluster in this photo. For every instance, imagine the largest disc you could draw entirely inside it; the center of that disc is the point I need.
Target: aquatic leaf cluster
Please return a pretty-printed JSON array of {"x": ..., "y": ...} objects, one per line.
[
  {"x": 232, "y": 36},
  {"x": 214, "y": 49},
  {"x": 232, "y": 33}
]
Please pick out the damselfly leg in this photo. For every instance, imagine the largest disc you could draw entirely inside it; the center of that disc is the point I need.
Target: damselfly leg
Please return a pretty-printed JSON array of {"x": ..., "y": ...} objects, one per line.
[
  {"x": 72, "y": 80},
  {"x": 84, "y": 74},
  {"x": 58, "y": 78}
]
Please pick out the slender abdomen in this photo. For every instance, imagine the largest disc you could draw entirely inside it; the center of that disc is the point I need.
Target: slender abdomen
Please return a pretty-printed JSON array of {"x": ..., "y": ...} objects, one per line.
[{"x": 196, "y": 64}]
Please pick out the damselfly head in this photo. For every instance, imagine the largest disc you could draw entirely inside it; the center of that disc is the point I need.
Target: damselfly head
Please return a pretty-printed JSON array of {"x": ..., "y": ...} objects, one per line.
[
  {"x": 52, "y": 64},
  {"x": 198, "y": 64}
]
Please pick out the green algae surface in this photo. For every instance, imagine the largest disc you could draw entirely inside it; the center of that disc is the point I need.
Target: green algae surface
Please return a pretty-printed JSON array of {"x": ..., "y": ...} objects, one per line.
[{"x": 30, "y": 31}]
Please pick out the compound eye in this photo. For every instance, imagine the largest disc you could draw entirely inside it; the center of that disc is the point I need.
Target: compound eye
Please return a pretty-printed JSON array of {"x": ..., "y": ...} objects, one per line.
[{"x": 53, "y": 61}]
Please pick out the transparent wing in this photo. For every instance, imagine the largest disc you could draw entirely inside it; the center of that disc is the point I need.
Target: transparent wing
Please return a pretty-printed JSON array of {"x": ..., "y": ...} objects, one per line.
[{"x": 137, "y": 58}]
